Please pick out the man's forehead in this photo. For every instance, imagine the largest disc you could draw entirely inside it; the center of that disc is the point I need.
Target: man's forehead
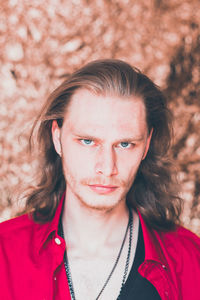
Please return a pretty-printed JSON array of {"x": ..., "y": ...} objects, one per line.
[
  {"x": 85, "y": 101},
  {"x": 98, "y": 114}
]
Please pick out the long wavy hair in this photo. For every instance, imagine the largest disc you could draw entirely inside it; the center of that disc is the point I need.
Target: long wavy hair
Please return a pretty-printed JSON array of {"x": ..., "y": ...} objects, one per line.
[{"x": 153, "y": 192}]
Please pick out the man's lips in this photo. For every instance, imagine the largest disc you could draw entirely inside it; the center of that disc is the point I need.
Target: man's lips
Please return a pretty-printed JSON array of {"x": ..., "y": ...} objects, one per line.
[{"x": 102, "y": 189}]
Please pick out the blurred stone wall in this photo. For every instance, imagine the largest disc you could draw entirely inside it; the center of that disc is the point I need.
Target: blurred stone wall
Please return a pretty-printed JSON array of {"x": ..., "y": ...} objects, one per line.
[{"x": 42, "y": 40}]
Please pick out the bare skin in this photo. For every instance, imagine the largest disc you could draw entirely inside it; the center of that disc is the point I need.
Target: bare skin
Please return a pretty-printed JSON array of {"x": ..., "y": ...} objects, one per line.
[{"x": 102, "y": 143}]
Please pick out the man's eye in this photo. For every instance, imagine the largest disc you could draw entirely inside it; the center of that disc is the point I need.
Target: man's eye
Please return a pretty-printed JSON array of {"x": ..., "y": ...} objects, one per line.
[
  {"x": 125, "y": 145},
  {"x": 87, "y": 142}
]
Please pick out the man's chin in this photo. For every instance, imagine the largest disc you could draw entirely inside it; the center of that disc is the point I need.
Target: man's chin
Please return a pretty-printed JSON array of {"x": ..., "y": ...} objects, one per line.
[{"x": 100, "y": 204}]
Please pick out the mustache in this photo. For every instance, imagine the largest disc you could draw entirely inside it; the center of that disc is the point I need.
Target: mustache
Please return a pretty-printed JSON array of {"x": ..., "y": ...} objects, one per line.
[{"x": 101, "y": 181}]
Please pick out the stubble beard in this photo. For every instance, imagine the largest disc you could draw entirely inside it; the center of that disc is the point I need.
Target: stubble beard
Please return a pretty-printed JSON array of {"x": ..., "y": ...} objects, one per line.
[
  {"x": 98, "y": 203},
  {"x": 102, "y": 203}
]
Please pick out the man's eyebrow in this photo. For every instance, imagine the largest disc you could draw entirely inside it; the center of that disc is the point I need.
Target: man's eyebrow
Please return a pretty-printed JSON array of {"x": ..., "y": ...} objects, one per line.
[
  {"x": 86, "y": 136},
  {"x": 132, "y": 139}
]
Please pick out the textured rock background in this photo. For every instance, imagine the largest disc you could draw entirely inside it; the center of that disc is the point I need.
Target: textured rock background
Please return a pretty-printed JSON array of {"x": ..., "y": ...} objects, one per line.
[{"x": 42, "y": 40}]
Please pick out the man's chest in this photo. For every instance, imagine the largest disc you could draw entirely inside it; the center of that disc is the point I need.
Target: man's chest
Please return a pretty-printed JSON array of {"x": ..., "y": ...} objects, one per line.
[{"x": 101, "y": 275}]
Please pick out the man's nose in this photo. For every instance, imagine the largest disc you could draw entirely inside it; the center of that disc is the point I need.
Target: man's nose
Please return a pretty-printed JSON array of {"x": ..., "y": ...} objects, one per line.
[{"x": 106, "y": 162}]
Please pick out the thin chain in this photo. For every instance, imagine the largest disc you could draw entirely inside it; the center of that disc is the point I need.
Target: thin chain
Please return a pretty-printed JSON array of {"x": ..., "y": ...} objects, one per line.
[
  {"x": 120, "y": 251},
  {"x": 69, "y": 277},
  {"x": 129, "y": 252},
  {"x": 67, "y": 268}
]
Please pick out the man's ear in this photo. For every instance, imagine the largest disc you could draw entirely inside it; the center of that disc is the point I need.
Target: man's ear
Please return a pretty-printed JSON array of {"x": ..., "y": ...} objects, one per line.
[
  {"x": 56, "y": 132},
  {"x": 147, "y": 144}
]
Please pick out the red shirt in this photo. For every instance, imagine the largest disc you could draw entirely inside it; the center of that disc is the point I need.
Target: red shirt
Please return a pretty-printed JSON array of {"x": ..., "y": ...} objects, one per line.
[{"x": 31, "y": 261}]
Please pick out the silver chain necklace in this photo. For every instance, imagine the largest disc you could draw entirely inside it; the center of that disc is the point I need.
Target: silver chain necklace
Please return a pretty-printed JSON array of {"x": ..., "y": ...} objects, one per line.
[{"x": 67, "y": 268}]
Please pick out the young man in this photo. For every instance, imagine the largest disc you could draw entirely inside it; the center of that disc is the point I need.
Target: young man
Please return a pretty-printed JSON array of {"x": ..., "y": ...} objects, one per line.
[{"x": 103, "y": 221}]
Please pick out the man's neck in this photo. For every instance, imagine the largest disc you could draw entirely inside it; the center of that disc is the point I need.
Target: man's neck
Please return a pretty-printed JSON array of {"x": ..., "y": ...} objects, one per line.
[{"x": 89, "y": 230}]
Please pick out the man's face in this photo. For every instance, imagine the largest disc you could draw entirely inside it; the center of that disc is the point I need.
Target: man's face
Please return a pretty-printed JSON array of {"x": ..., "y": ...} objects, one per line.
[{"x": 102, "y": 143}]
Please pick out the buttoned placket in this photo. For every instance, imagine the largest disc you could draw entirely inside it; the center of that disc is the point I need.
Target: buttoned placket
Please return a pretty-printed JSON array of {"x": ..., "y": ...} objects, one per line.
[
  {"x": 151, "y": 271},
  {"x": 58, "y": 246},
  {"x": 58, "y": 242}
]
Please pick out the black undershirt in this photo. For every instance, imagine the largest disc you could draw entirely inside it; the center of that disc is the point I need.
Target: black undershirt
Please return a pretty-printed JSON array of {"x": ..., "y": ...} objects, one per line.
[{"x": 136, "y": 286}]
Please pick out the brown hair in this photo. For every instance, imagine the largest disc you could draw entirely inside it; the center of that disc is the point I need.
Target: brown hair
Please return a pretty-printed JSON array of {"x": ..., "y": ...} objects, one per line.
[{"x": 153, "y": 191}]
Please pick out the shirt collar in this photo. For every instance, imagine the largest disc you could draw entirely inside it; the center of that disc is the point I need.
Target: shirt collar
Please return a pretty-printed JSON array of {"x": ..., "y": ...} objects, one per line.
[
  {"x": 153, "y": 250},
  {"x": 44, "y": 231},
  {"x": 152, "y": 243}
]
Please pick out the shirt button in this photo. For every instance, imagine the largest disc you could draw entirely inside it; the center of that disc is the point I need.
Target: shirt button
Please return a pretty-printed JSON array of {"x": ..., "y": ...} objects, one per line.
[
  {"x": 57, "y": 241},
  {"x": 164, "y": 267}
]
